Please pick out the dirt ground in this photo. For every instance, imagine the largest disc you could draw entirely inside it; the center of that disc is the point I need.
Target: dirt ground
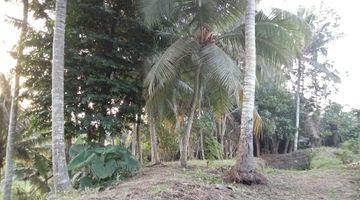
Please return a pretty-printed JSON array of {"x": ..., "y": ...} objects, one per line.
[{"x": 201, "y": 182}]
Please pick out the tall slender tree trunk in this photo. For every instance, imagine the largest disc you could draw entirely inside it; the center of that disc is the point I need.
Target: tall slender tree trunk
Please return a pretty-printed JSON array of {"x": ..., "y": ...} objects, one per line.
[
  {"x": 67, "y": 149},
  {"x": 202, "y": 145},
  {"x": 201, "y": 129},
  {"x": 226, "y": 148},
  {"x": 287, "y": 141},
  {"x": 14, "y": 108},
  {"x": 231, "y": 149},
  {"x": 133, "y": 140},
  {"x": 138, "y": 143},
  {"x": 177, "y": 122},
  {"x": 257, "y": 141},
  {"x": 222, "y": 135},
  {"x": 244, "y": 169},
  {"x": 244, "y": 161},
  {"x": 290, "y": 147},
  {"x": 298, "y": 89},
  {"x": 60, "y": 171},
  {"x": 186, "y": 137},
  {"x": 153, "y": 137}
]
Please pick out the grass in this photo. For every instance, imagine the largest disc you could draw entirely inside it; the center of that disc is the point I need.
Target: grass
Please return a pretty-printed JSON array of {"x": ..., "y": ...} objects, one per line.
[
  {"x": 158, "y": 189},
  {"x": 208, "y": 178},
  {"x": 331, "y": 158},
  {"x": 211, "y": 164},
  {"x": 325, "y": 163},
  {"x": 328, "y": 178}
]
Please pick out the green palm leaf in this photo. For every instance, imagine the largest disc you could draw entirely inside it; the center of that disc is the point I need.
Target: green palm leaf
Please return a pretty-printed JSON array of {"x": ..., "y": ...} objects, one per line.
[
  {"x": 219, "y": 67},
  {"x": 154, "y": 11},
  {"x": 164, "y": 68}
]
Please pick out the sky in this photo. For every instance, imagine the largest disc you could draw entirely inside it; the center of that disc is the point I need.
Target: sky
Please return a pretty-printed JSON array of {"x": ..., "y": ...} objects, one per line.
[{"x": 343, "y": 52}]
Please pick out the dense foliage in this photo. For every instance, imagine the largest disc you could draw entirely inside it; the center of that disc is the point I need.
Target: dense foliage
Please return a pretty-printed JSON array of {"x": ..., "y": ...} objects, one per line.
[
  {"x": 173, "y": 69},
  {"x": 105, "y": 51}
]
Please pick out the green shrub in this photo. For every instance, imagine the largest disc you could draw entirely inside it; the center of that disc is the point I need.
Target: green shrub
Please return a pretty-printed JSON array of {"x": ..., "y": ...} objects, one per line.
[
  {"x": 345, "y": 156},
  {"x": 352, "y": 145},
  {"x": 326, "y": 158},
  {"x": 212, "y": 148},
  {"x": 94, "y": 164},
  {"x": 325, "y": 162}
]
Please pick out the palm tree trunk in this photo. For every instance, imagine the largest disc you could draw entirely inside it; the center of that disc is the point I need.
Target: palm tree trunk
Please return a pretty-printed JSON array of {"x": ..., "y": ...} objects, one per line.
[
  {"x": 67, "y": 149},
  {"x": 231, "y": 149},
  {"x": 226, "y": 148},
  {"x": 296, "y": 137},
  {"x": 201, "y": 130},
  {"x": 153, "y": 137},
  {"x": 202, "y": 145},
  {"x": 222, "y": 124},
  {"x": 14, "y": 108},
  {"x": 186, "y": 137},
  {"x": 290, "y": 146},
  {"x": 60, "y": 171},
  {"x": 287, "y": 141},
  {"x": 177, "y": 122},
  {"x": 133, "y": 140},
  {"x": 244, "y": 169},
  {"x": 138, "y": 143},
  {"x": 257, "y": 140},
  {"x": 244, "y": 160}
]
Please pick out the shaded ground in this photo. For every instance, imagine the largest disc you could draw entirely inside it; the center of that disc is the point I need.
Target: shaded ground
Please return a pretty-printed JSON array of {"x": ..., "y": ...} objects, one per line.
[{"x": 202, "y": 182}]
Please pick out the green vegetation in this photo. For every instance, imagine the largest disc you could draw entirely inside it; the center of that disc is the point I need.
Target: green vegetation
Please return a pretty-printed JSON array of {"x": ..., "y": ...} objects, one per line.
[
  {"x": 95, "y": 164},
  {"x": 148, "y": 83}
]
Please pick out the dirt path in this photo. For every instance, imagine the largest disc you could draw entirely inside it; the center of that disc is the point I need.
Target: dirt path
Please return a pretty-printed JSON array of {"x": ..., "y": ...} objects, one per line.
[{"x": 200, "y": 182}]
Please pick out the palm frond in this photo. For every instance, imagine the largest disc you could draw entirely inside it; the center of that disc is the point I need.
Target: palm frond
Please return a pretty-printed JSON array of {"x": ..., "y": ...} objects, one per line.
[
  {"x": 229, "y": 14},
  {"x": 164, "y": 68},
  {"x": 219, "y": 99},
  {"x": 33, "y": 141},
  {"x": 279, "y": 36},
  {"x": 154, "y": 11},
  {"x": 258, "y": 123},
  {"x": 219, "y": 67}
]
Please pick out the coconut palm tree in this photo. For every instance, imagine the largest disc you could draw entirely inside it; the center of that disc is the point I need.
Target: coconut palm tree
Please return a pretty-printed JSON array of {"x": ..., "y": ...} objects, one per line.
[
  {"x": 244, "y": 159},
  {"x": 14, "y": 107},
  {"x": 60, "y": 171},
  {"x": 207, "y": 35}
]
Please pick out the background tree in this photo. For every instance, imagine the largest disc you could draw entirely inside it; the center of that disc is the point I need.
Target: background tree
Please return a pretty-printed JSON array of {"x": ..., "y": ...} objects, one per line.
[
  {"x": 312, "y": 61},
  {"x": 103, "y": 63}
]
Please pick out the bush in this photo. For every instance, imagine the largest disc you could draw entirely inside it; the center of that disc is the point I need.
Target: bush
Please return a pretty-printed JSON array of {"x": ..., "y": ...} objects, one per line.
[
  {"x": 94, "y": 164},
  {"x": 325, "y": 158},
  {"x": 345, "y": 156},
  {"x": 325, "y": 162},
  {"x": 212, "y": 148},
  {"x": 351, "y": 145}
]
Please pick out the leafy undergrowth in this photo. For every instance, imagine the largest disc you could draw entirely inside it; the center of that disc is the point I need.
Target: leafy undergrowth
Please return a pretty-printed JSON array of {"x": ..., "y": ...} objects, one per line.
[{"x": 325, "y": 180}]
